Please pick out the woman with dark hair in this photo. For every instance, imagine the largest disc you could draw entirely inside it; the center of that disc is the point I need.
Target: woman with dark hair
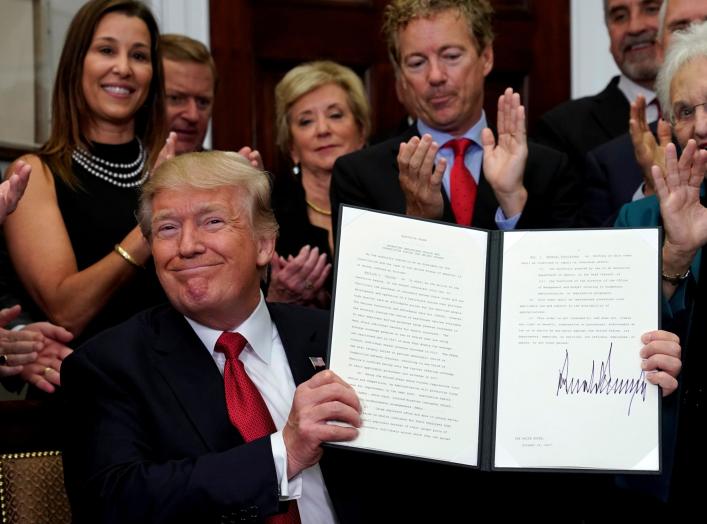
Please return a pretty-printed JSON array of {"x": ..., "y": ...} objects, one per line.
[{"x": 73, "y": 239}]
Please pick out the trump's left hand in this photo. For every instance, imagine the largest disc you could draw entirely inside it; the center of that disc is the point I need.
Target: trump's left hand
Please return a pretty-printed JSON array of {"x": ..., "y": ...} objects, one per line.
[
  {"x": 323, "y": 398},
  {"x": 661, "y": 359}
]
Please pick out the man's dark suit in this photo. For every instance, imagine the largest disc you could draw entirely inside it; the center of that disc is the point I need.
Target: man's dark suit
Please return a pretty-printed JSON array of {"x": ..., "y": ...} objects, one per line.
[
  {"x": 149, "y": 435},
  {"x": 612, "y": 177},
  {"x": 578, "y": 126},
  {"x": 369, "y": 178}
]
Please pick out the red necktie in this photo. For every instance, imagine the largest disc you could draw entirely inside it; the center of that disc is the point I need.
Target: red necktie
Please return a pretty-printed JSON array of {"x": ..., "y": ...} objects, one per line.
[
  {"x": 463, "y": 185},
  {"x": 246, "y": 407}
]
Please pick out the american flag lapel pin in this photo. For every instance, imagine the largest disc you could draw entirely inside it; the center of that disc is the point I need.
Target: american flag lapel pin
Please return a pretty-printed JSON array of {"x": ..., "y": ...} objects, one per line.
[{"x": 318, "y": 363}]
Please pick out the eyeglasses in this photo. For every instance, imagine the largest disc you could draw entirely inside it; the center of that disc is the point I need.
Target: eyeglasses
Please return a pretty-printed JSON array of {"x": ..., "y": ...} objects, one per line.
[{"x": 683, "y": 114}]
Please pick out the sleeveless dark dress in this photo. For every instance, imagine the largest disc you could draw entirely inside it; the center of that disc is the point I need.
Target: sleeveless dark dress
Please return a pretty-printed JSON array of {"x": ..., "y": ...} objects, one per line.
[
  {"x": 290, "y": 207},
  {"x": 98, "y": 215}
]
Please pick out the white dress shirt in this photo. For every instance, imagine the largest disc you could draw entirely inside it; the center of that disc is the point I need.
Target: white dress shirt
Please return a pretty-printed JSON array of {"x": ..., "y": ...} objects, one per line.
[
  {"x": 632, "y": 90},
  {"x": 266, "y": 364}
]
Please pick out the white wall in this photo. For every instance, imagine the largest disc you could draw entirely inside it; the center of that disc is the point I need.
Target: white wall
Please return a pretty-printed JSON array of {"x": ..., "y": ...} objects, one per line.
[{"x": 592, "y": 63}]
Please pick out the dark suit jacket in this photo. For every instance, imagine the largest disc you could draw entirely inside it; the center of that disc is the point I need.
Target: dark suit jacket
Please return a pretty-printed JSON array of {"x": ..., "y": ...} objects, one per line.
[
  {"x": 149, "y": 439},
  {"x": 612, "y": 176},
  {"x": 578, "y": 126},
  {"x": 369, "y": 178}
]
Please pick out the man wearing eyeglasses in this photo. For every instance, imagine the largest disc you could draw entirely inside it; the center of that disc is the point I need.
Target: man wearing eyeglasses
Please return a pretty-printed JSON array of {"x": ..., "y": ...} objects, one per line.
[{"x": 618, "y": 171}]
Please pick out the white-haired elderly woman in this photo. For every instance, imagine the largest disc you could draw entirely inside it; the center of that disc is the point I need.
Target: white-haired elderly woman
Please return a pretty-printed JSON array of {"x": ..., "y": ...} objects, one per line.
[
  {"x": 321, "y": 113},
  {"x": 679, "y": 206}
]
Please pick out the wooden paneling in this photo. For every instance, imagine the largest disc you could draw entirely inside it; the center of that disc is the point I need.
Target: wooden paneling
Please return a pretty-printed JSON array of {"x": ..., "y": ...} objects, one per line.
[{"x": 255, "y": 42}]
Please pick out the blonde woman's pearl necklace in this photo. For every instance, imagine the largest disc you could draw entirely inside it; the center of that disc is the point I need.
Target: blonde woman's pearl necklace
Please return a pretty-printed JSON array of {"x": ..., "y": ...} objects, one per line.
[{"x": 118, "y": 174}]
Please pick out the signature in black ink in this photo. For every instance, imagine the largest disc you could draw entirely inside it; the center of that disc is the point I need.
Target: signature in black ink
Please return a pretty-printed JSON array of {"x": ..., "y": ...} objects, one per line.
[{"x": 604, "y": 384}]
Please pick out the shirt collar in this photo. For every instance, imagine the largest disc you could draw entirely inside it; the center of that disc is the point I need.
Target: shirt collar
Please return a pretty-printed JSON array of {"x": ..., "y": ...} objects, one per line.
[
  {"x": 256, "y": 329},
  {"x": 442, "y": 138},
  {"x": 632, "y": 90}
]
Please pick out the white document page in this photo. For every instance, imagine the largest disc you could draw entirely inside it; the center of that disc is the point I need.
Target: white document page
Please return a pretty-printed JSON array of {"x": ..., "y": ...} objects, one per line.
[
  {"x": 407, "y": 332},
  {"x": 571, "y": 389}
]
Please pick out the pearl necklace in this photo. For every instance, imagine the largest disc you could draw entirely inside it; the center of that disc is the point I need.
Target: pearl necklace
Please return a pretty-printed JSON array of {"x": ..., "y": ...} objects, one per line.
[{"x": 95, "y": 166}]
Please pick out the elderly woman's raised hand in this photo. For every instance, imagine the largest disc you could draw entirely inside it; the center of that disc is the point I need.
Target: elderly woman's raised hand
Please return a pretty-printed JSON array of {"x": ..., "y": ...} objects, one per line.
[
  {"x": 299, "y": 279},
  {"x": 684, "y": 217},
  {"x": 11, "y": 190}
]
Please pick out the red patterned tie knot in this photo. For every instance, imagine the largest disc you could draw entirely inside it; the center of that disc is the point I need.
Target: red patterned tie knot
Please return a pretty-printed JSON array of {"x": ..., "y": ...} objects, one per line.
[
  {"x": 231, "y": 344},
  {"x": 459, "y": 146}
]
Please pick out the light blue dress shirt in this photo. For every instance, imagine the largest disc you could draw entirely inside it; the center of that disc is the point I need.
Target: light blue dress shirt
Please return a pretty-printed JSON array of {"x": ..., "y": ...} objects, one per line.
[{"x": 473, "y": 159}]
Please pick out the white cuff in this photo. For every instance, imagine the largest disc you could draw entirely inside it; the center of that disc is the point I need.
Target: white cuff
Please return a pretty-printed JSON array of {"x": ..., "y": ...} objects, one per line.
[
  {"x": 289, "y": 489},
  {"x": 639, "y": 194}
]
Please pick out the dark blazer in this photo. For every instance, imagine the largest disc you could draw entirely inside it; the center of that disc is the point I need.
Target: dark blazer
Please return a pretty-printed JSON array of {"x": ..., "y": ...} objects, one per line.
[
  {"x": 578, "y": 126},
  {"x": 369, "y": 178},
  {"x": 149, "y": 439},
  {"x": 612, "y": 176}
]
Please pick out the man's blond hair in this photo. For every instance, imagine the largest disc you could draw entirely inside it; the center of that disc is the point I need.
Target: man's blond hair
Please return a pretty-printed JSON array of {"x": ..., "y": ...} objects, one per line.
[{"x": 212, "y": 170}]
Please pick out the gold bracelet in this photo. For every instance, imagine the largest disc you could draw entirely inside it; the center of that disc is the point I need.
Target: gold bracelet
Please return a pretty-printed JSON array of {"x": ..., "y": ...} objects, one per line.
[
  {"x": 127, "y": 256},
  {"x": 675, "y": 279}
]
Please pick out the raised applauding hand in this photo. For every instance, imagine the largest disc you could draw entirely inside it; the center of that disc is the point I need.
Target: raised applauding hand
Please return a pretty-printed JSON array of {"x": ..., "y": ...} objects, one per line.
[
  {"x": 684, "y": 217},
  {"x": 420, "y": 179},
  {"x": 168, "y": 150},
  {"x": 253, "y": 156},
  {"x": 648, "y": 150},
  {"x": 504, "y": 162},
  {"x": 300, "y": 279},
  {"x": 11, "y": 190}
]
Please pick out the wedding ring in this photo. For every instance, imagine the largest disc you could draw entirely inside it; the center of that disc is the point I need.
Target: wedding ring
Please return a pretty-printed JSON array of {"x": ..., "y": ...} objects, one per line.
[
  {"x": 47, "y": 370},
  {"x": 3, "y": 360},
  {"x": 308, "y": 284}
]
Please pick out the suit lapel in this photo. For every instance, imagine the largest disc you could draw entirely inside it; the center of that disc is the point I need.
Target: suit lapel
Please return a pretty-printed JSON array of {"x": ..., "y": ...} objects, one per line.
[
  {"x": 395, "y": 146},
  {"x": 188, "y": 368},
  {"x": 300, "y": 340},
  {"x": 612, "y": 109},
  {"x": 485, "y": 206}
]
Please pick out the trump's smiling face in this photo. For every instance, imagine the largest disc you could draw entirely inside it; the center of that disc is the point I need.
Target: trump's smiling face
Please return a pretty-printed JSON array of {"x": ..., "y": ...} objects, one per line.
[{"x": 207, "y": 256}]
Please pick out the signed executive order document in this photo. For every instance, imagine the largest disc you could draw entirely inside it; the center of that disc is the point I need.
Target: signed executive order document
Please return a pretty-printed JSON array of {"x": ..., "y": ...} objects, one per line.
[{"x": 498, "y": 350}]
